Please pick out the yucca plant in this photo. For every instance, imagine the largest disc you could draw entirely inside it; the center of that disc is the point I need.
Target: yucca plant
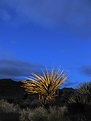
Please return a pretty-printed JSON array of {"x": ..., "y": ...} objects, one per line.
[
  {"x": 83, "y": 94},
  {"x": 46, "y": 86}
]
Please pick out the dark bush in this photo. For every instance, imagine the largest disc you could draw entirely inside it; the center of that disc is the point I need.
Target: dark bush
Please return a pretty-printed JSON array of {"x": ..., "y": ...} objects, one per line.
[{"x": 8, "y": 112}]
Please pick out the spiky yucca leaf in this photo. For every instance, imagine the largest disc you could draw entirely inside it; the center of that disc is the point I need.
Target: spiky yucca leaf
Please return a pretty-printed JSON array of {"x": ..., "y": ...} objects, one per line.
[{"x": 46, "y": 85}]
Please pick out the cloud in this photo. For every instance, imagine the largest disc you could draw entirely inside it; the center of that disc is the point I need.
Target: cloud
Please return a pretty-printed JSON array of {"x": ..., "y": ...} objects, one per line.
[
  {"x": 86, "y": 70},
  {"x": 69, "y": 14},
  {"x": 19, "y": 70},
  {"x": 15, "y": 68}
]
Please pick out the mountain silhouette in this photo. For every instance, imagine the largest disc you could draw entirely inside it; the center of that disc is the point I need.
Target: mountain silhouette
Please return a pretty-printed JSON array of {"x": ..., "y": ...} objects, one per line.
[{"x": 11, "y": 89}]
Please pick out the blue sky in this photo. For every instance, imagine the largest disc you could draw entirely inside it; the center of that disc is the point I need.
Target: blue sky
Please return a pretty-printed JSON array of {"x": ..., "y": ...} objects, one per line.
[{"x": 51, "y": 33}]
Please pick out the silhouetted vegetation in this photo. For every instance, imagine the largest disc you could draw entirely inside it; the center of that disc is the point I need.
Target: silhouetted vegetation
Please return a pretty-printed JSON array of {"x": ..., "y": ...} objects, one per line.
[{"x": 70, "y": 104}]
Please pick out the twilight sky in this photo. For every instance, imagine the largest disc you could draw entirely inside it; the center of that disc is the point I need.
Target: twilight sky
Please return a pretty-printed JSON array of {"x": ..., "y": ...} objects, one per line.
[{"x": 35, "y": 34}]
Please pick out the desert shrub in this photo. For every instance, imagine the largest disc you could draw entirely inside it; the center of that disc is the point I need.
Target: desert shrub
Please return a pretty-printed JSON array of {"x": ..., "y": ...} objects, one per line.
[
  {"x": 78, "y": 98},
  {"x": 42, "y": 114},
  {"x": 85, "y": 88},
  {"x": 79, "y": 104},
  {"x": 7, "y": 107},
  {"x": 38, "y": 114},
  {"x": 78, "y": 117},
  {"x": 83, "y": 95},
  {"x": 25, "y": 115},
  {"x": 8, "y": 112},
  {"x": 58, "y": 114}
]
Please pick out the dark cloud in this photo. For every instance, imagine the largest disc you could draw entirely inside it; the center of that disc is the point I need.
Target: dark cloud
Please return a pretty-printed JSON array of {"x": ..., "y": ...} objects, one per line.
[
  {"x": 72, "y": 14},
  {"x": 15, "y": 68},
  {"x": 86, "y": 70},
  {"x": 22, "y": 70}
]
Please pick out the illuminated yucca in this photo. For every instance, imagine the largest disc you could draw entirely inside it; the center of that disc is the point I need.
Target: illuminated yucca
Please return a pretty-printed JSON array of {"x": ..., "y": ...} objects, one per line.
[{"x": 45, "y": 86}]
